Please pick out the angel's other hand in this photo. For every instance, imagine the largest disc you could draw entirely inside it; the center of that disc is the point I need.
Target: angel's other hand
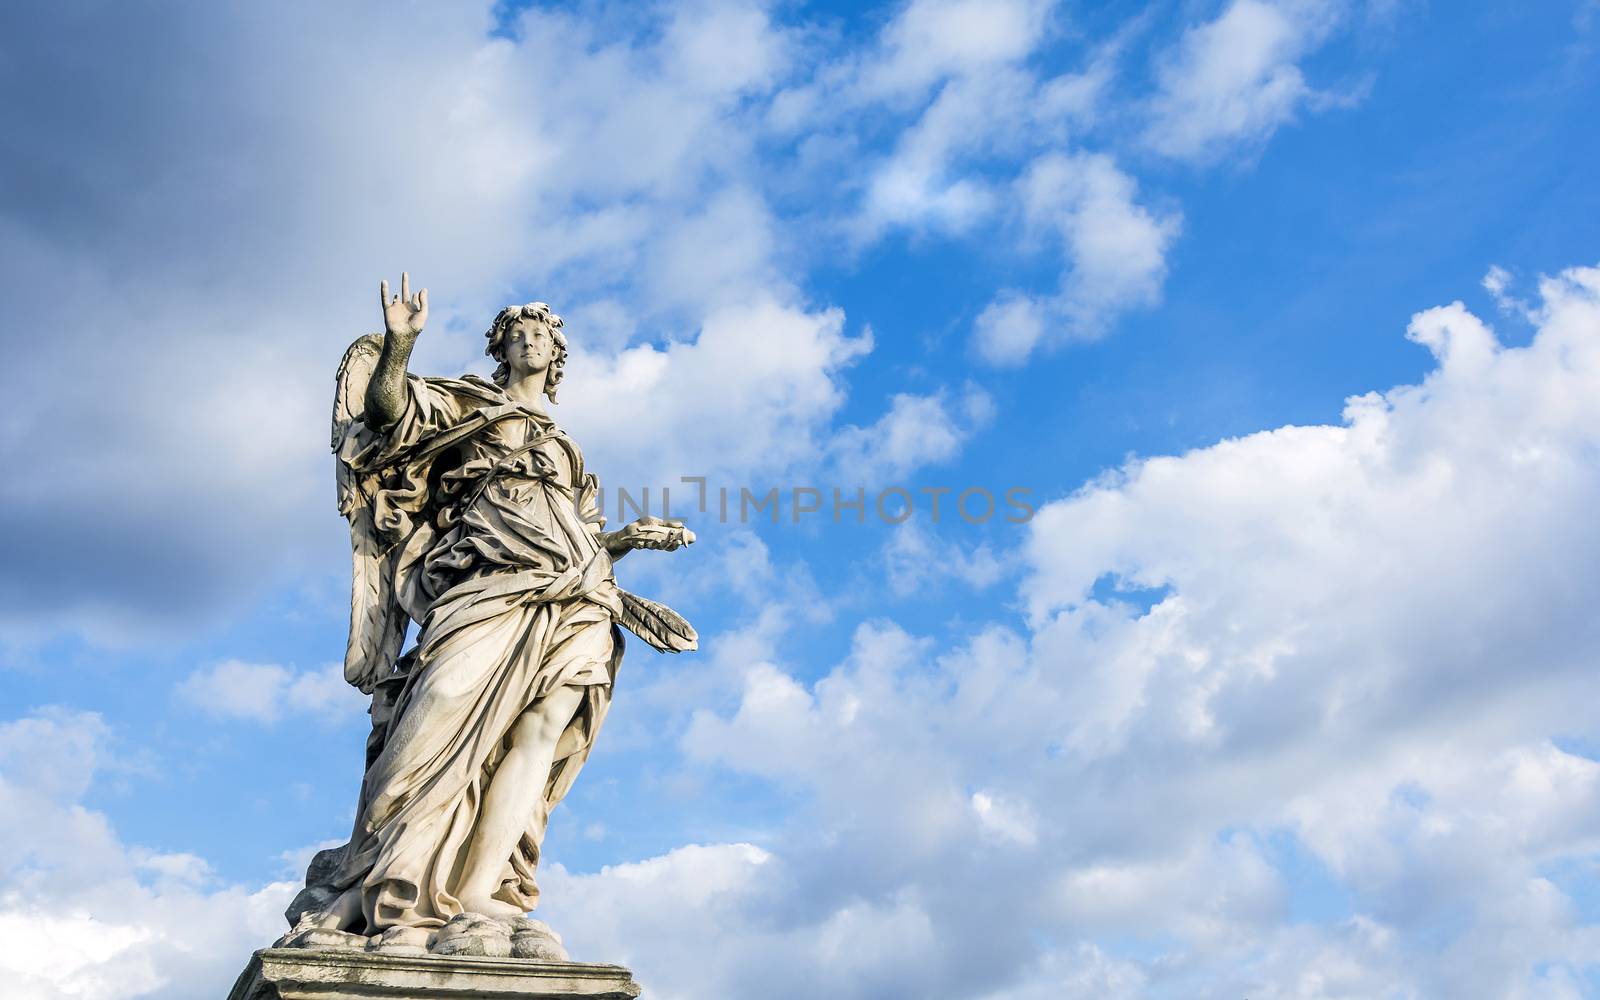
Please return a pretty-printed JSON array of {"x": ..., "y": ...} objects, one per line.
[{"x": 657, "y": 533}]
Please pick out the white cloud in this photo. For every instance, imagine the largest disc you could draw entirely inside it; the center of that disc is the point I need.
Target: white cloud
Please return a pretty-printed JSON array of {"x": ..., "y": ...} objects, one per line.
[
  {"x": 57, "y": 749},
  {"x": 1234, "y": 80},
  {"x": 751, "y": 393},
  {"x": 725, "y": 48},
  {"x": 1206, "y": 891},
  {"x": 1321, "y": 581},
  {"x": 911, "y": 191},
  {"x": 1375, "y": 639},
  {"x": 83, "y": 915},
  {"x": 1006, "y": 821},
  {"x": 1010, "y": 327},
  {"x": 917, "y": 184},
  {"x": 915, "y": 559},
  {"x": 1081, "y": 973},
  {"x": 187, "y": 869},
  {"x": 984, "y": 108},
  {"x": 657, "y": 915},
  {"x": 949, "y": 80},
  {"x": 931, "y": 39},
  {"x": 915, "y": 432},
  {"x": 1116, "y": 247},
  {"x": 661, "y": 916},
  {"x": 1497, "y": 281},
  {"x": 265, "y": 692},
  {"x": 1115, "y": 253}
]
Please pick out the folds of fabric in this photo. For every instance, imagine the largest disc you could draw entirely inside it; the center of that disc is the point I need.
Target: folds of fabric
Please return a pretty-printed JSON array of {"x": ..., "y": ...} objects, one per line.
[
  {"x": 485, "y": 507},
  {"x": 487, "y": 656}
]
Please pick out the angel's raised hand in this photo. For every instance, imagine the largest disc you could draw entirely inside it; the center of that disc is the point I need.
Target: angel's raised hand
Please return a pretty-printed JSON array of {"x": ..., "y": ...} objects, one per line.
[{"x": 403, "y": 314}]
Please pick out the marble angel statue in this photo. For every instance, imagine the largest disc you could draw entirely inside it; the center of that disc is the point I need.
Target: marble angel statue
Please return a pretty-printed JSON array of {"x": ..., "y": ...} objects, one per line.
[{"x": 473, "y": 515}]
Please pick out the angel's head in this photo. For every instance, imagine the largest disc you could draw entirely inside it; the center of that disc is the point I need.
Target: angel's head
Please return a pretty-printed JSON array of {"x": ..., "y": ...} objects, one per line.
[{"x": 527, "y": 340}]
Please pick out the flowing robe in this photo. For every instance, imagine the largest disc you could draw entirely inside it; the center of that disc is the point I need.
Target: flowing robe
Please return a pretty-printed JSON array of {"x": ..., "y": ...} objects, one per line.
[{"x": 498, "y": 559}]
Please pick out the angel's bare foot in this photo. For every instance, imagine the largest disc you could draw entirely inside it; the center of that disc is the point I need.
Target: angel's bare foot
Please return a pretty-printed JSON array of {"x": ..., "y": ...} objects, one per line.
[
  {"x": 473, "y": 934},
  {"x": 339, "y": 915}
]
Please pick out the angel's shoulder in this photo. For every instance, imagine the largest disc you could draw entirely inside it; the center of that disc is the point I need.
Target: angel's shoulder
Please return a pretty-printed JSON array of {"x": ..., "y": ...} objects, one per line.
[{"x": 471, "y": 388}]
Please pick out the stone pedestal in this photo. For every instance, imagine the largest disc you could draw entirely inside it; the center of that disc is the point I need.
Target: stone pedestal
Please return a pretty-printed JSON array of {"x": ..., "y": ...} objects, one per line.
[{"x": 302, "y": 974}]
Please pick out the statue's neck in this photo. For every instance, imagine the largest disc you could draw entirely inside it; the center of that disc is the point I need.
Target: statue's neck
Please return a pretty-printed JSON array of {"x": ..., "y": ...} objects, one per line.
[{"x": 528, "y": 391}]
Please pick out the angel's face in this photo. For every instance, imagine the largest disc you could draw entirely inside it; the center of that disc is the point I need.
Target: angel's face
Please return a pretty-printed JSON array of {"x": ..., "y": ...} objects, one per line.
[{"x": 529, "y": 348}]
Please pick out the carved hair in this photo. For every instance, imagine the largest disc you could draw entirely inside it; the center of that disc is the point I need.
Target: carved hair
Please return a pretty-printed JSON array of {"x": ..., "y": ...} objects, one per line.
[{"x": 501, "y": 327}]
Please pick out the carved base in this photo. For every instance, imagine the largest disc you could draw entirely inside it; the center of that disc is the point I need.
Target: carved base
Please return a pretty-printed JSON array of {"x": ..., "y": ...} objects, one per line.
[{"x": 302, "y": 974}]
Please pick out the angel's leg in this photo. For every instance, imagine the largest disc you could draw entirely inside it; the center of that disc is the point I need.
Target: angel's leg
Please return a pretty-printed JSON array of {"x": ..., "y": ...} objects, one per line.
[{"x": 515, "y": 793}]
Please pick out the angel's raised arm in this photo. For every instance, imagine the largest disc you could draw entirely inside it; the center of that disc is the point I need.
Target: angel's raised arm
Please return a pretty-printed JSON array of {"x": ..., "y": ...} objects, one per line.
[{"x": 403, "y": 319}]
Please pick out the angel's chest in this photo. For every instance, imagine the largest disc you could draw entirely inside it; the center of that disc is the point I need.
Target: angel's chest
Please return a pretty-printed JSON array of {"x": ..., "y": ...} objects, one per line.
[{"x": 522, "y": 446}]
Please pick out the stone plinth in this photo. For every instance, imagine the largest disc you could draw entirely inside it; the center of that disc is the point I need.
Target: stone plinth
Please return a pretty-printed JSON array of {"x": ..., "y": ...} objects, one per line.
[{"x": 302, "y": 974}]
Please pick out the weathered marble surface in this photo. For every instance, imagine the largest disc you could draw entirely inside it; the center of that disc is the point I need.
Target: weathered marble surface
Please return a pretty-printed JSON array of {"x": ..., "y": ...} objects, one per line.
[
  {"x": 473, "y": 515},
  {"x": 301, "y": 974}
]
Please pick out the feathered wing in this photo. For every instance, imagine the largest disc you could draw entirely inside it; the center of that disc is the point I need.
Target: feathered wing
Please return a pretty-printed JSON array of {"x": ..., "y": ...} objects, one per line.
[
  {"x": 377, "y": 623},
  {"x": 657, "y": 624}
]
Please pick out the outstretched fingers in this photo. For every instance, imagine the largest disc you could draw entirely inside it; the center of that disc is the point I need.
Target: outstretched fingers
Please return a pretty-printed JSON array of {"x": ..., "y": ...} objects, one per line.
[{"x": 418, "y": 302}]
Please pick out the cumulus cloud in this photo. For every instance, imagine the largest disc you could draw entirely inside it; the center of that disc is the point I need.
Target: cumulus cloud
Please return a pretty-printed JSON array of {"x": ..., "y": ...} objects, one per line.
[
  {"x": 1234, "y": 80},
  {"x": 84, "y": 915},
  {"x": 683, "y": 904},
  {"x": 264, "y": 692},
  {"x": 1115, "y": 251},
  {"x": 750, "y": 393},
  {"x": 1368, "y": 669}
]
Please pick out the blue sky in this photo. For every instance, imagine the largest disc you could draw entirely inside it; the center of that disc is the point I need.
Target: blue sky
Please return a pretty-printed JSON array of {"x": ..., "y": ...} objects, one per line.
[{"x": 1286, "y": 313}]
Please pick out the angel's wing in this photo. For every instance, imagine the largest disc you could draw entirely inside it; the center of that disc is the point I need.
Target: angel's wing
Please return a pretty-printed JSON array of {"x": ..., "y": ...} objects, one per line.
[
  {"x": 349, "y": 402},
  {"x": 657, "y": 624},
  {"x": 377, "y": 623}
]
